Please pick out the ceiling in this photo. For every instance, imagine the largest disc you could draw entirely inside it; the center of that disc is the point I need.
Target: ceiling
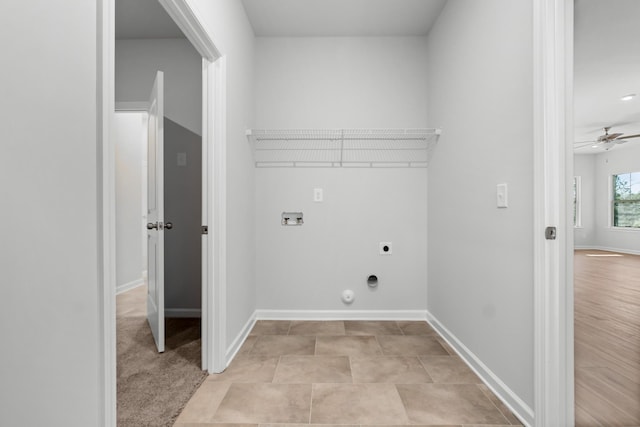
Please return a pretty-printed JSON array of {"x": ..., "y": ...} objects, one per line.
[
  {"x": 607, "y": 67},
  {"x": 319, "y": 18},
  {"x": 607, "y": 44},
  {"x": 144, "y": 19}
]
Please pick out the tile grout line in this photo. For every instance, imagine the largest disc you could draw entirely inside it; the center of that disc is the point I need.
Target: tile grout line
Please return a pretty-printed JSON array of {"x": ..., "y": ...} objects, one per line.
[
  {"x": 426, "y": 369},
  {"x": 311, "y": 398}
]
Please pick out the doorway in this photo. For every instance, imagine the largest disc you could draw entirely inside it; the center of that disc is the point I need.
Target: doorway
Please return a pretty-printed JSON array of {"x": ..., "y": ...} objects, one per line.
[
  {"x": 213, "y": 78},
  {"x": 606, "y": 221}
]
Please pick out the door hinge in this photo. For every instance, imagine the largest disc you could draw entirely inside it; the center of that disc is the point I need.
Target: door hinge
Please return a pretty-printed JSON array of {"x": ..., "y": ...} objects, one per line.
[
  {"x": 205, "y": 229},
  {"x": 550, "y": 233}
]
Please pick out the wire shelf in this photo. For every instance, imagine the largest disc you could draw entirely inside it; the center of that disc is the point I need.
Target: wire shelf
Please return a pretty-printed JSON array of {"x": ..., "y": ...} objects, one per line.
[{"x": 343, "y": 147}]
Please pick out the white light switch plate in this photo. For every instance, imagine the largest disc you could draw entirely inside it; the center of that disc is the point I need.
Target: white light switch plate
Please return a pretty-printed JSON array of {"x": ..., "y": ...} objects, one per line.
[
  {"x": 502, "y": 196},
  {"x": 182, "y": 159}
]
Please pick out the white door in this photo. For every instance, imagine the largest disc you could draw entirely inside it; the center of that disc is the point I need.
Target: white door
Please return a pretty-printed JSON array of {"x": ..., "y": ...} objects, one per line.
[{"x": 155, "y": 213}]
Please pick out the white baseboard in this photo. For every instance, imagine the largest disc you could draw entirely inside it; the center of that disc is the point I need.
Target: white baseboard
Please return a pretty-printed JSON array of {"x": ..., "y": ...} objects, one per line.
[
  {"x": 341, "y": 314},
  {"x": 233, "y": 349},
  {"x": 519, "y": 408},
  {"x": 182, "y": 312},
  {"x": 604, "y": 248},
  {"x": 128, "y": 286}
]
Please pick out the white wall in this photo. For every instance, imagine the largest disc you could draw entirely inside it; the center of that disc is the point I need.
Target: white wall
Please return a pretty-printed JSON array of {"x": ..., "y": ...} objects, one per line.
[
  {"x": 307, "y": 267},
  {"x": 130, "y": 140},
  {"x": 332, "y": 83},
  {"x": 136, "y": 64},
  {"x": 340, "y": 82},
  {"x": 619, "y": 160},
  {"x": 584, "y": 166},
  {"x": 227, "y": 23},
  {"x": 480, "y": 257},
  {"x": 49, "y": 287}
]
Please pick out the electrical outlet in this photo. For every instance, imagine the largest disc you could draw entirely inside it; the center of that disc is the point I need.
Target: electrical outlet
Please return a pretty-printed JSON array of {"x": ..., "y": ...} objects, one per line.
[{"x": 317, "y": 195}]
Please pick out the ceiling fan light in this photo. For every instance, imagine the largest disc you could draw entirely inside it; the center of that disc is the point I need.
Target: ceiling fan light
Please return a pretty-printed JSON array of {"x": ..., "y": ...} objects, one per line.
[
  {"x": 628, "y": 97},
  {"x": 594, "y": 146}
]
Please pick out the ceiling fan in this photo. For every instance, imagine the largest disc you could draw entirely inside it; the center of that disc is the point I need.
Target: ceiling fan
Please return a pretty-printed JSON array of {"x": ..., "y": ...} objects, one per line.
[{"x": 607, "y": 140}]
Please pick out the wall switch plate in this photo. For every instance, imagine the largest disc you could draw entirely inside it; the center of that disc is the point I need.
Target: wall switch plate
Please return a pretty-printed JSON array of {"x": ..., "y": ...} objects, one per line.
[
  {"x": 386, "y": 248},
  {"x": 182, "y": 159},
  {"x": 317, "y": 195},
  {"x": 502, "y": 196}
]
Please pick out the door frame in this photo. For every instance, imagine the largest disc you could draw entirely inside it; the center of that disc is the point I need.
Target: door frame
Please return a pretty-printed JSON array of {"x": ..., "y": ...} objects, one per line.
[
  {"x": 214, "y": 104},
  {"x": 553, "y": 170}
]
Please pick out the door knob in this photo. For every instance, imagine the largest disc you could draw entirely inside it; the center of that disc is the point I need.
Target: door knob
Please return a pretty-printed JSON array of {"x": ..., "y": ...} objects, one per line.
[
  {"x": 168, "y": 226},
  {"x": 152, "y": 225}
]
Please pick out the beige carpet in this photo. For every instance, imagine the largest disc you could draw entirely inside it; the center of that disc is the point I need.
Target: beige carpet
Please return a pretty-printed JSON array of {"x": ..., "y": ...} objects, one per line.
[{"x": 153, "y": 388}]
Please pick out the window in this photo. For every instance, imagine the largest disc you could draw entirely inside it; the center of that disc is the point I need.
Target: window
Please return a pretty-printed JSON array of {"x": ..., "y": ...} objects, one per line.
[
  {"x": 626, "y": 200},
  {"x": 577, "y": 211}
]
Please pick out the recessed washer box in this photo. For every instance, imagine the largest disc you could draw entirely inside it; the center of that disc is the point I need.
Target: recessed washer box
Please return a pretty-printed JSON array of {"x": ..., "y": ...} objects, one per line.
[
  {"x": 292, "y": 218},
  {"x": 386, "y": 248}
]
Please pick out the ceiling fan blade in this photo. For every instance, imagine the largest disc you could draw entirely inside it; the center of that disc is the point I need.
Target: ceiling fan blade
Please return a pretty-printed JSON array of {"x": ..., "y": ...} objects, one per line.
[{"x": 630, "y": 136}]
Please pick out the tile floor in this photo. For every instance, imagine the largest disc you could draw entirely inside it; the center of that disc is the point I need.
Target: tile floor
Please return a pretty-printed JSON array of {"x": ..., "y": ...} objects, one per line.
[{"x": 348, "y": 373}]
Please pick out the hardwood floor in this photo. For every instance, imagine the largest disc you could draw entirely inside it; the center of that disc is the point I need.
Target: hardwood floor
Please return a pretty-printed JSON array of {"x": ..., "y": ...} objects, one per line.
[{"x": 607, "y": 339}]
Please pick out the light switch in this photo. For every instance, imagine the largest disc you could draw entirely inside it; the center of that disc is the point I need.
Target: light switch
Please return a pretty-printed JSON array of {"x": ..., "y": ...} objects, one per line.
[
  {"x": 182, "y": 159},
  {"x": 502, "y": 196},
  {"x": 317, "y": 195}
]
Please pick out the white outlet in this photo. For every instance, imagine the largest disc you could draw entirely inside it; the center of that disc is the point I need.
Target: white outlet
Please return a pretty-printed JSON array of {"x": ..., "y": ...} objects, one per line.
[
  {"x": 386, "y": 248},
  {"x": 317, "y": 195}
]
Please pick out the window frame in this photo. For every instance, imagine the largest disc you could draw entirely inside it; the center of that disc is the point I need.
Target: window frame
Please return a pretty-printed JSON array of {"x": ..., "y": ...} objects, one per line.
[
  {"x": 613, "y": 201},
  {"x": 577, "y": 201}
]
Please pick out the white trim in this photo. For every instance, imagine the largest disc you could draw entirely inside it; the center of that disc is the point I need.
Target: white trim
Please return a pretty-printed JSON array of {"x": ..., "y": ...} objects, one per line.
[
  {"x": 105, "y": 164},
  {"x": 623, "y": 229},
  {"x": 233, "y": 349},
  {"x": 553, "y": 170},
  {"x": 206, "y": 278},
  {"x": 182, "y": 312},
  {"x": 217, "y": 289},
  {"x": 142, "y": 106},
  {"x": 519, "y": 408},
  {"x": 341, "y": 314},
  {"x": 607, "y": 249},
  {"x": 186, "y": 19},
  {"x": 128, "y": 286}
]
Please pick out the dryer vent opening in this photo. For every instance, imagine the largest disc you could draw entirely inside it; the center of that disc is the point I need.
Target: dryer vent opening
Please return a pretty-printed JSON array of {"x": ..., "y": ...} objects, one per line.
[{"x": 372, "y": 281}]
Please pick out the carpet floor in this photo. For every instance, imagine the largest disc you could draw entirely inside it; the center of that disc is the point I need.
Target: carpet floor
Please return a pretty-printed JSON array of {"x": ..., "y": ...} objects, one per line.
[{"x": 152, "y": 388}]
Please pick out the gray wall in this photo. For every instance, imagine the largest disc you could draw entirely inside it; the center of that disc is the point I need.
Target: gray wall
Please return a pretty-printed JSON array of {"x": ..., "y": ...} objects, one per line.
[
  {"x": 130, "y": 140},
  {"x": 618, "y": 160},
  {"x": 307, "y": 267},
  {"x": 51, "y": 355},
  {"x": 227, "y": 23},
  {"x": 480, "y": 261},
  {"x": 183, "y": 208},
  {"x": 136, "y": 64},
  {"x": 596, "y": 171},
  {"x": 338, "y": 82}
]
